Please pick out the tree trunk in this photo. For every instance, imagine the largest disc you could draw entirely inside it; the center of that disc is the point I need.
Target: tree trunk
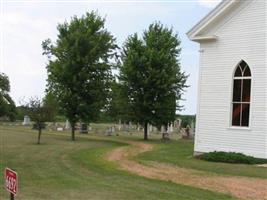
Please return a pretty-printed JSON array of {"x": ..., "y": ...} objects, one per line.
[
  {"x": 39, "y": 135},
  {"x": 73, "y": 131},
  {"x": 145, "y": 131}
]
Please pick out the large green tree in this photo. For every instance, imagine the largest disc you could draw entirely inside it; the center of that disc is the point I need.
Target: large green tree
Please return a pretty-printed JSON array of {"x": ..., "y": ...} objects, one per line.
[
  {"x": 79, "y": 69},
  {"x": 7, "y": 105},
  {"x": 150, "y": 71}
]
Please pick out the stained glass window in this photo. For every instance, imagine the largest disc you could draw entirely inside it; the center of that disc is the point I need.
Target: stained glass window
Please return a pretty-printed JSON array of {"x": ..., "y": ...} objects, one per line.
[{"x": 241, "y": 95}]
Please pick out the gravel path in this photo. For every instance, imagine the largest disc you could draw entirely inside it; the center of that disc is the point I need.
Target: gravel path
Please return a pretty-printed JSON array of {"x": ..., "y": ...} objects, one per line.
[{"x": 241, "y": 187}]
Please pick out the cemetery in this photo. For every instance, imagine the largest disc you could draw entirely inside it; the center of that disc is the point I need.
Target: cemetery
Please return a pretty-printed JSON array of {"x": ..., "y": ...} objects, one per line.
[{"x": 93, "y": 165}]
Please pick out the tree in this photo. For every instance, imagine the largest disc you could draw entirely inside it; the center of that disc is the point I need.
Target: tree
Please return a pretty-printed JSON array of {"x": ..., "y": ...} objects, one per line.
[
  {"x": 39, "y": 114},
  {"x": 118, "y": 108},
  {"x": 7, "y": 105},
  {"x": 79, "y": 69},
  {"x": 187, "y": 120},
  {"x": 150, "y": 71},
  {"x": 50, "y": 103}
]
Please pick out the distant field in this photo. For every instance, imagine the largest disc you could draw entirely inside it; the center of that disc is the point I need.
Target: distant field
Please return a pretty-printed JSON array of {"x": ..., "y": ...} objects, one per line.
[{"x": 61, "y": 169}]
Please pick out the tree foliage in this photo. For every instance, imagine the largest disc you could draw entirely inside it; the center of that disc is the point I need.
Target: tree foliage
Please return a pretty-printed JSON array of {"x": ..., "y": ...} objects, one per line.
[
  {"x": 50, "y": 103},
  {"x": 150, "y": 71},
  {"x": 118, "y": 107},
  {"x": 187, "y": 120},
  {"x": 7, "y": 105},
  {"x": 79, "y": 70},
  {"x": 39, "y": 114}
]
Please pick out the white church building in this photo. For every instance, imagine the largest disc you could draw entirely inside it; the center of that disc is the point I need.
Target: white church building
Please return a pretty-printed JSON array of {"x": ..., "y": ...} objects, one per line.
[{"x": 232, "y": 93}]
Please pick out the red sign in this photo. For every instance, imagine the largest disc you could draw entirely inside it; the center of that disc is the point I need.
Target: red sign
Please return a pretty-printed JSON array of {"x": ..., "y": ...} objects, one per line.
[{"x": 11, "y": 180}]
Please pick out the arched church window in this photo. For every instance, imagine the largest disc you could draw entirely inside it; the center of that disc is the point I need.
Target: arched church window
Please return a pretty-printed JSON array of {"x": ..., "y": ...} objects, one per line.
[{"x": 241, "y": 95}]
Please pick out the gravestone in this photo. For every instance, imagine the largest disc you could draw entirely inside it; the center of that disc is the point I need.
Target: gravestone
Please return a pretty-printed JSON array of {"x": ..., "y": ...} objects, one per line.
[
  {"x": 165, "y": 133},
  {"x": 26, "y": 121},
  {"x": 177, "y": 123},
  {"x": 83, "y": 128},
  {"x": 126, "y": 127},
  {"x": 165, "y": 136},
  {"x": 138, "y": 127},
  {"x": 170, "y": 128},
  {"x": 187, "y": 133},
  {"x": 67, "y": 125},
  {"x": 109, "y": 131},
  {"x": 119, "y": 126},
  {"x": 162, "y": 129},
  {"x": 150, "y": 128},
  {"x": 59, "y": 129}
]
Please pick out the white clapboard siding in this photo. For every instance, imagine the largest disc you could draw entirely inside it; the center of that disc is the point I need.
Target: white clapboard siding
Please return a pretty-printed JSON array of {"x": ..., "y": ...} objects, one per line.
[{"x": 241, "y": 36}]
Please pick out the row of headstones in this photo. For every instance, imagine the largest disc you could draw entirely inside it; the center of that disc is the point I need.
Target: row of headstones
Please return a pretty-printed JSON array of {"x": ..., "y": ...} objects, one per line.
[
  {"x": 58, "y": 127},
  {"x": 82, "y": 127},
  {"x": 151, "y": 128},
  {"x": 188, "y": 132}
]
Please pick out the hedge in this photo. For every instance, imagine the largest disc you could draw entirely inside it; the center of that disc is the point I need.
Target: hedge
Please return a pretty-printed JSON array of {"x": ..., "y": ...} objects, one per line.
[{"x": 231, "y": 157}]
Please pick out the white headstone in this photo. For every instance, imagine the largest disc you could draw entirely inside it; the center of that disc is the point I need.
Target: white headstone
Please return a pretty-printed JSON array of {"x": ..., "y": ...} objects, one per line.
[
  {"x": 177, "y": 123},
  {"x": 171, "y": 128},
  {"x": 59, "y": 129},
  {"x": 67, "y": 125},
  {"x": 150, "y": 128},
  {"x": 162, "y": 129},
  {"x": 109, "y": 131},
  {"x": 26, "y": 120},
  {"x": 119, "y": 125}
]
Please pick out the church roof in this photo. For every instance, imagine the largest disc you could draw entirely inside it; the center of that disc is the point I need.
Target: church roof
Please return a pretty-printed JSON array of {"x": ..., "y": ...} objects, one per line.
[{"x": 215, "y": 15}]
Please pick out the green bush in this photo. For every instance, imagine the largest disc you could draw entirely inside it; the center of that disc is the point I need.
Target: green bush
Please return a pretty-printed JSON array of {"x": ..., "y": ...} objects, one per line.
[{"x": 231, "y": 157}]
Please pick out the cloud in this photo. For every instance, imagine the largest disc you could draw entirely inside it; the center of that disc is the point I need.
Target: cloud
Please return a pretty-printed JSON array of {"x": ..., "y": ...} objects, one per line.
[
  {"x": 22, "y": 52},
  {"x": 209, "y": 3}
]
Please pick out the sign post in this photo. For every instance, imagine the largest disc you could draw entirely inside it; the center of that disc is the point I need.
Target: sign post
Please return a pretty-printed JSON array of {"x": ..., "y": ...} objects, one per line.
[
  {"x": 11, "y": 182},
  {"x": 12, "y": 197}
]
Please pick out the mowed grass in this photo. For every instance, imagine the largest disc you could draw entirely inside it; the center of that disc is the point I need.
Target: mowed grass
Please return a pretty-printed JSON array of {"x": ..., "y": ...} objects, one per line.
[
  {"x": 61, "y": 169},
  {"x": 180, "y": 153}
]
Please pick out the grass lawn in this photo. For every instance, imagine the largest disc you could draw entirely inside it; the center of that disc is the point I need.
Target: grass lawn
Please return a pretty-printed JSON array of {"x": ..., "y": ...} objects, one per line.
[
  {"x": 61, "y": 169},
  {"x": 179, "y": 152}
]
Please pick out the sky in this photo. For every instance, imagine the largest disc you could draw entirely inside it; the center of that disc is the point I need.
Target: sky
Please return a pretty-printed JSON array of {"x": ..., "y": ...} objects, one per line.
[{"x": 25, "y": 24}]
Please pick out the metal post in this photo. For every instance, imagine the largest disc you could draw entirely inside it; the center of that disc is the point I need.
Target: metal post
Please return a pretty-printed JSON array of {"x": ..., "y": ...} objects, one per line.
[{"x": 12, "y": 197}]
